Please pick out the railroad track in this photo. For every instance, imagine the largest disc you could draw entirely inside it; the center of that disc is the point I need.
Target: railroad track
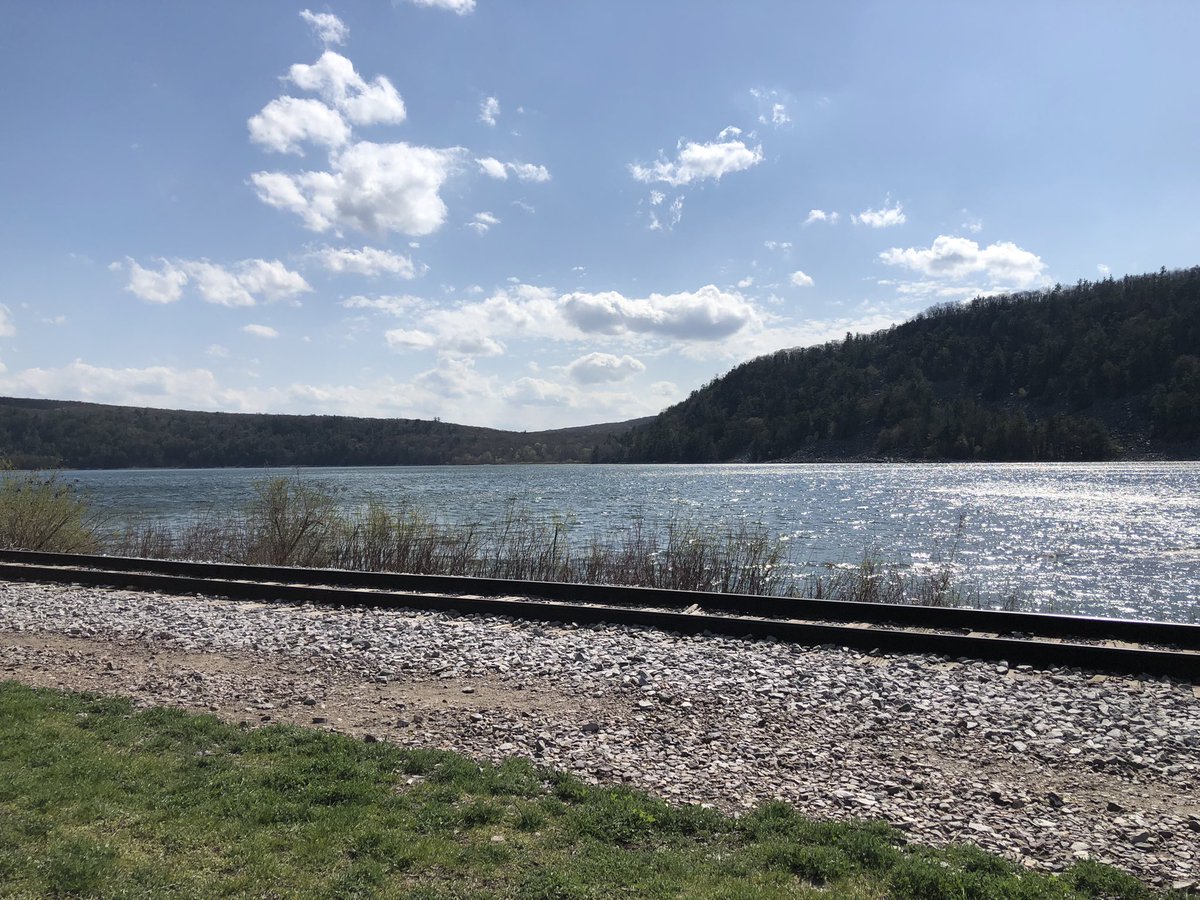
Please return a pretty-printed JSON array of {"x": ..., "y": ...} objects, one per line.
[{"x": 1108, "y": 645}]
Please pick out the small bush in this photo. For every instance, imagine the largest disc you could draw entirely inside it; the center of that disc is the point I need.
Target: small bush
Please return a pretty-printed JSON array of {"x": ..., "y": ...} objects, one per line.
[
  {"x": 1095, "y": 879},
  {"x": 40, "y": 512}
]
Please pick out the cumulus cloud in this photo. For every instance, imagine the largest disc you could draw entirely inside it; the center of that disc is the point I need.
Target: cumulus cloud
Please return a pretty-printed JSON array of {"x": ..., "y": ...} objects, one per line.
[
  {"x": 539, "y": 392},
  {"x": 244, "y": 284},
  {"x": 489, "y": 110},
  {"x": 958, "y": 257},
  {"x": 373, "y": 188},
  {"x": 493, "y": 168},
  {"x": 884, "y": 217},
  {"x": 529, "y": 171},
  {"x": 393, "y": 304},
  {"x": 328, "y": 28},
  {"x": 286, "y": 123},
  {"x": 262, "y": 331},
  {"x": 164, "y": 286},
  {"x": 460, "y": 7},
  {"x": 600, "y": 367},
  {"x": 695, "y": 162},
  {"x": 819, "y": 215},
  {"x": 800, "y": 279},
  {"x": 703, "y": 315},
  {"x": 455, "y": 378},
  {"x": 370, "y": 261},
  {"x": 152, "y": 386},
  {"x": 409, "y": 338},
  {"x": 363, "y": 103},
  {"x": 482, "y": 222}
]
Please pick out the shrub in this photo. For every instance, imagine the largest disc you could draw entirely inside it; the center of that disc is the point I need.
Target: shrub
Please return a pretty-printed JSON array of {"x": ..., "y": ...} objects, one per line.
[{"x": 40, "y": 512}]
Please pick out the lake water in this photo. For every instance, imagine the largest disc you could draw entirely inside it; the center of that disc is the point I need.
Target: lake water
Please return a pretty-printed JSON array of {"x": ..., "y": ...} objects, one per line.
[{"x": 1117, "y": 539}]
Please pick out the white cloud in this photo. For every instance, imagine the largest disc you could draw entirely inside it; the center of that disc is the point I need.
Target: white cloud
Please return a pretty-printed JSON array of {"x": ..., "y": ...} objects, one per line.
[
  {"x": 482, "y": 222},
  {"x": 370, "y": 261},
  {"x": 657, "y": 197},
  {"x": 884, "y": 217},
  {"x": 262, "y": 331},
  {"x": 957, "y": 257},
  {"x": 695, "y": 162},
  {"x": 800, "y": 279},
  {"x": 703, "y": 315},
  {"x": 598, "y": 367},
  {"x": 374, "y": 188},
  {"x": 461, "y": 7},
  {"x": 746, "y": 282},
  {"x": 7, "y": 328},
  {"x": 286, "y": 123},
  {"x": 6, "y": 325},
  {"x": 539, "y": 392},
  {"x": 393, "y": 304},
  {"x": 456, "y": 379},
  {"x": 363, "y": 103},
  {"x": 1103, "y": 269},
  {"x": 409, "y": 338},
  {"x": 244, "y": 284},
  {"x": 973, "y": 224},
  {"x": 819, "y": 215},
  {"x": 217, "y": 351},
  {"x": 328, "y": 28},
  {"x": 152, "y": 386},
  {"x": 270, "y": 279},
  {"x": 493, "y": 168},
  {"x": 163, "y": 286},
  {"x": 489, "y": 109},
  {"x": 781, "y": 246},
  {"x": 773, "y": 111},
  {"x": 529, "y": 171}
]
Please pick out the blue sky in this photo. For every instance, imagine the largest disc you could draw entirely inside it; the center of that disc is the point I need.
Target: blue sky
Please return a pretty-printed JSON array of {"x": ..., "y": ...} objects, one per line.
[{"x": 550, "y": 213}]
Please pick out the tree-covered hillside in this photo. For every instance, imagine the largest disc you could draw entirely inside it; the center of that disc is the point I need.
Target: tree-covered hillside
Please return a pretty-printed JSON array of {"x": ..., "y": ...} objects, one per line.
[
  {"x": 1100, "y": 370},
  {"x": 39, "y": 433}
]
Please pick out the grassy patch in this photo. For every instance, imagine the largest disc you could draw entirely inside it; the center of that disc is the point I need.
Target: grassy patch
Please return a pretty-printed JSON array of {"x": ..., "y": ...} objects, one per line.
[{"x": 99, "y": 800}]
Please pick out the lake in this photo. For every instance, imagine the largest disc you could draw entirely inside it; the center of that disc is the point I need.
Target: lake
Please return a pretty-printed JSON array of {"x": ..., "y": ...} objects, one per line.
[{"x": 1115, "y": 539}]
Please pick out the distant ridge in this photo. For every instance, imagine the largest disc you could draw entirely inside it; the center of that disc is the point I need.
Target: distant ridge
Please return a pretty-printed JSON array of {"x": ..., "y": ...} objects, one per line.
[
  {"x": 1101, "y": 370},
  {"x": 44, "y": 433}
]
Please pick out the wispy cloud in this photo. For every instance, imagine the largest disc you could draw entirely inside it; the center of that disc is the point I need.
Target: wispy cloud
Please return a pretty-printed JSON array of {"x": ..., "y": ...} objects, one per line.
[{"x": 884, "y": 217}]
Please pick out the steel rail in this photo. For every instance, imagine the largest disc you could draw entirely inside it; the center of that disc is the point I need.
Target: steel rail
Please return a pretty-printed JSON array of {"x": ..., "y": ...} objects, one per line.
[
  {"x": 998, "y": 622},
  {"x": 1041, "y": 653}
]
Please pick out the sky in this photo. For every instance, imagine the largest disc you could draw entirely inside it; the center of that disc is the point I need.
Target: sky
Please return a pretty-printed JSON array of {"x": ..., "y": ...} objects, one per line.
[{"x": 547, "y": 213}]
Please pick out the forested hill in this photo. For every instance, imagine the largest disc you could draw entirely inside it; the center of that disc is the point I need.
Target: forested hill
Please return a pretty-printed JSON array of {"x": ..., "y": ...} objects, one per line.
[
  {"x": 42, "y": 433},
  {"x": 1101, "y": 370}
]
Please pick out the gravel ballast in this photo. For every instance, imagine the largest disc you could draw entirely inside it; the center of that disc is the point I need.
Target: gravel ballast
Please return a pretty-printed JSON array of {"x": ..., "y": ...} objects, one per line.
[{"x": 1044, "y": 766}]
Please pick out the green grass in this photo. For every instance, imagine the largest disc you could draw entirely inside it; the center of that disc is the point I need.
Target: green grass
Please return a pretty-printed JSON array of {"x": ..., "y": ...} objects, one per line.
[{"x": 97, "y": 799}]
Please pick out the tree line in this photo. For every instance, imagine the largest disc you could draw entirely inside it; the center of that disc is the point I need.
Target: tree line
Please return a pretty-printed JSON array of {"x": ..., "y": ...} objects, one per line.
[{"x": 52, "y": 433}]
